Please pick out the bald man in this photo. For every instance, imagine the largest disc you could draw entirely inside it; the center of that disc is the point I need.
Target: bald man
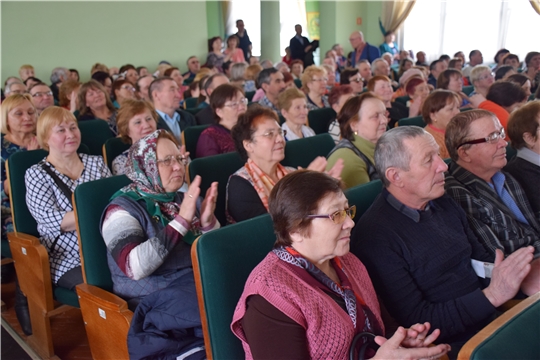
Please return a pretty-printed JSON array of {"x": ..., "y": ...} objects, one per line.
[{"x": 361, "y": 49}]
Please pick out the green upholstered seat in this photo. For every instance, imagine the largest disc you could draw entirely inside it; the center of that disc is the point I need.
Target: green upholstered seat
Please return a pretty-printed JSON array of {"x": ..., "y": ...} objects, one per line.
[
  {"x": 363, "y": 196},
  {"x": 250, "y": 95},
  {"x": 90, "y": 200},
  {"x": 403, "y": 99},
  {"x": 94, "y": 133},
  {"x": 281, "y": 119},
  {"x": 222, "y": 262},
  {"x": 298, "y": 83},
  {"x": 320, "y": 119},
  {"x": 112, "y": 148},
  {"x": 468, "y": 89},
  {"x": 216, "y": 168},
  {"x": 416, "y": 121},
  {"x": 193, "y": 111},
  {"x": 513, "y": 335},
  {"x": 302, "y": 152},
  {"x": 190, "y": 103},
  {"x": 190, "y": 136},
  {"x": 511, "y": 152}
]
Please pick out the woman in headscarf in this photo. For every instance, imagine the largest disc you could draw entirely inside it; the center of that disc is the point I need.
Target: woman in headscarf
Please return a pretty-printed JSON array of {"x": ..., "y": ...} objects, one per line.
[{"x": 148, "y": 228}]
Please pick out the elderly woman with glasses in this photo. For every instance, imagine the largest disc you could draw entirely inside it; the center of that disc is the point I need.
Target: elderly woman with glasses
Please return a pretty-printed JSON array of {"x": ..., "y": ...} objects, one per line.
[
  {"x": 122, "y": 90},
  {"x": 310, "y": 296},
  {"x": 314, "y": 79},
  {"x": 227, "y": 102},
  {"x": 260, "y": 141},
  {"x": 148, "y": 228}
]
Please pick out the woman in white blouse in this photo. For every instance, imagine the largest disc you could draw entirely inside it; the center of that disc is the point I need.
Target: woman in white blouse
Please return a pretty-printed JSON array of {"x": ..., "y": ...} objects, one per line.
[
  {"x": 293, "y": 107},
  {"x": 49, "y": 185}
]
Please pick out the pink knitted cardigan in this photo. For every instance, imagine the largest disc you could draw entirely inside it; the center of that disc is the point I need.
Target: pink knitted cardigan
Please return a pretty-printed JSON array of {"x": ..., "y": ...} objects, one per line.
[{"x": 329, "y": 329}]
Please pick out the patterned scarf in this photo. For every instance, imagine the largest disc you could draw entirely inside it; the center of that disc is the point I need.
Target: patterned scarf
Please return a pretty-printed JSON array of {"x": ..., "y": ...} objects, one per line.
[
  {"x": 142, "y": 169},
  {"x": 262, "y": 183},
  {"x": 345, "y": 291}
]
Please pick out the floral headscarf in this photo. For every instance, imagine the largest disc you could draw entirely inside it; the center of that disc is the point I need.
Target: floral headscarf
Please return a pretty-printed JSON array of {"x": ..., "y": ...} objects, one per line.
[{"x": 142, "y": 169}]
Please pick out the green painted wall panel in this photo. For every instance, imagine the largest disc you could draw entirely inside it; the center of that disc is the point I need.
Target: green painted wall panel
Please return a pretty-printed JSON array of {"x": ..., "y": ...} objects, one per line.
[{"x": 79, "y": 34}]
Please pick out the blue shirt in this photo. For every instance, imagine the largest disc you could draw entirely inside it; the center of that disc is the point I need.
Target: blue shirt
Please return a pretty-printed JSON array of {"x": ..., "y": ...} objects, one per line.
[{"x": 173, "y": 123}]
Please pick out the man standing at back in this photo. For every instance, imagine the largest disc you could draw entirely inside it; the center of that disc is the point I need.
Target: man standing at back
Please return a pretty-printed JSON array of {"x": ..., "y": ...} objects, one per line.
[
  {"x": 418, "y": 248},
  {"x": 245, "y": 43},
  {"x": 299, "y": 45},
  {"x": 475, "y": 58},
  {"x": 163, "y": 93},
  {"x": 361, "y": 49}
]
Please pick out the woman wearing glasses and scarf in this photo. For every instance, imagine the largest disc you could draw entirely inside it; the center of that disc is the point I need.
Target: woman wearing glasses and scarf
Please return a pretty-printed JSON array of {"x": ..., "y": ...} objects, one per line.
[
  {"x": 148, "y": 228},
  {"x": 260, "y": 141},
  {"x": 309, "y": 297},
  {"x": 227, "y": 102}
]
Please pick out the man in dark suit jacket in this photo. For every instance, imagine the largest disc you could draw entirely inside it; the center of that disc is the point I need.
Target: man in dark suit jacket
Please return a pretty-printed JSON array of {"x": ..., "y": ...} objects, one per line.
[
  {"x": 300, "y": 45},
  {"x": 164, "y": 94}
]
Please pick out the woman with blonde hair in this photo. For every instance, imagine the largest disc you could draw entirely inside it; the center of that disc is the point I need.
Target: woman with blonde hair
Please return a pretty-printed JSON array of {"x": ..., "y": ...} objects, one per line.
[
  {"x": 293, "y": 106},
  {"x": 49, "y": 186},
  {"x": 314, "y": 80}
]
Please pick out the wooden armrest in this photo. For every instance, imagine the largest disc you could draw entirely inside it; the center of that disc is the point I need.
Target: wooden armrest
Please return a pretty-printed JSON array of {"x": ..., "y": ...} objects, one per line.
[{"x": 107, "y": 320}]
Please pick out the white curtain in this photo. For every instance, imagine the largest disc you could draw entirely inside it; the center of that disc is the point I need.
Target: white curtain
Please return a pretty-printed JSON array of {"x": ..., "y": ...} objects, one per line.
[{"x": 394, "y": 13}]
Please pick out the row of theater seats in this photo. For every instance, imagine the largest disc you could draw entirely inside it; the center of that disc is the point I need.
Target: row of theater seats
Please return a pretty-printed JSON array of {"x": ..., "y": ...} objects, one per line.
[{"x": 222, "y": 259}]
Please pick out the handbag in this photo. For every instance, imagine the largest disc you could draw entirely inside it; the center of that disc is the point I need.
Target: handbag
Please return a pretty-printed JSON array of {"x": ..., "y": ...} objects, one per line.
[
  {"x": 65, "y": 190},
  {"x": 360, "y": 354}
]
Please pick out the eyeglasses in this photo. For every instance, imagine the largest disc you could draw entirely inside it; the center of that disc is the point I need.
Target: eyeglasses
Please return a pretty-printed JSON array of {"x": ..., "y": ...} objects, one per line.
[
  {"x": 485, "y": 77},
  {"x": 491, "y": 139},
  {"x": 241, "y": 102},
  {"x": 356, "y": 80},
  {"x": 272, "y": 134},
  {"x": 168, "y": 161},
  {"x": 41, "y": 94},
  {"x": 323, "y": 79},
  {"x": 339, "y": 216},
  {"x": 127, "y": 87}
]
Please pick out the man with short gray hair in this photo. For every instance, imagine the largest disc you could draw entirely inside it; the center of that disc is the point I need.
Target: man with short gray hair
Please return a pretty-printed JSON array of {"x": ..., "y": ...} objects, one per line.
[
  {"x": 498, "y": 210},
  {"x": 15, "y": 87},
  {"x": 58, "y": 76},
  {"x": 423, "y": 259}
]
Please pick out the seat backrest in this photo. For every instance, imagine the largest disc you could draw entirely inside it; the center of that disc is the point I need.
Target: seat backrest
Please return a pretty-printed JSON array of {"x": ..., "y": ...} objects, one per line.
[
  {"x": 190, "y": 137},
  {"x": 89, "y": 201},
  {"x": 216, "y": 168},
  {"x": 190, "y": 103},
  {"x": 416, "y": 121},
  {"x": 193, "y": 111},
  {"x": 513, "y": 335},
  {"x": 222, "y": 261},
  {"x": 250, "y": 95},
  {"x": 302, "y": 152},
  {"x": 468, "y": 89},
  {"x": 320, "y": 119},
  {"x": 112, "y": 148},
  {"x": 363, "y": 196},
  {"x": 298, "y": 83},
  {"x": 16, "y": 167},
  {"x": 403, "y": 99},
  {"x": 94, "y": 133}
]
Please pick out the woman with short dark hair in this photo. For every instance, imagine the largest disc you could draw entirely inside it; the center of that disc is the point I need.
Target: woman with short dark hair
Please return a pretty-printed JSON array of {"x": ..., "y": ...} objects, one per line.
[
  {"x": 452, "y": 79},
  {"x": 227, "y": 102},
  {"x": 260, "y": 141},
  {"x": 362, "y": 120},
  {"x": 309, "y": 296}
]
